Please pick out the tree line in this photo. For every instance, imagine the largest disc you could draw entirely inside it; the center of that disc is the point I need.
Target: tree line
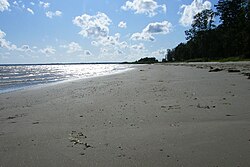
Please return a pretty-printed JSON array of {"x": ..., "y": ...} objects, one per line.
[{"x": 206, "y": 41}]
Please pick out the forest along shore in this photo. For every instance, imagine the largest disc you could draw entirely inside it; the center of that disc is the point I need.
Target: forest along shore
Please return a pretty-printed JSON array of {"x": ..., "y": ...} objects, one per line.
[{"x": 154, "y": 115}]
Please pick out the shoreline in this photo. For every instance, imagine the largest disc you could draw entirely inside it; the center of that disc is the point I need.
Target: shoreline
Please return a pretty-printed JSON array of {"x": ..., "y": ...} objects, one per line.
[
  {"x": 37, "y": 86},
  {"x": 154, "y": 115}
]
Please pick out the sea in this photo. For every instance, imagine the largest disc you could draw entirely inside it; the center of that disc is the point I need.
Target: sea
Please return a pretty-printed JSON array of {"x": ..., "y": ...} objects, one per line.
[{"x": 16, "y": 77}]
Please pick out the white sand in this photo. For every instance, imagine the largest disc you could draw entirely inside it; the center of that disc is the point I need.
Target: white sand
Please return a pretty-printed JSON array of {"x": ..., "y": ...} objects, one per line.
[{"x": 156, "y": 115}]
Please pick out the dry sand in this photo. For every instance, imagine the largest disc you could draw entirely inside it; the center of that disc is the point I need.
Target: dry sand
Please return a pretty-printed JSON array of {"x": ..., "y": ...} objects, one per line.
[{"x": 154, "y": 115}]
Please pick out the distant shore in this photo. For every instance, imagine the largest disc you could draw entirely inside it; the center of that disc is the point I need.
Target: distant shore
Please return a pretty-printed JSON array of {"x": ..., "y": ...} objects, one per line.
[{"x": 154, "y": 115}]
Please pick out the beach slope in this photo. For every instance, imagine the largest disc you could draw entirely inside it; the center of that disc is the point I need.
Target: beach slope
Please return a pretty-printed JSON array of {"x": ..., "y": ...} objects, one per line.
[{"x": 154, "y": 115}]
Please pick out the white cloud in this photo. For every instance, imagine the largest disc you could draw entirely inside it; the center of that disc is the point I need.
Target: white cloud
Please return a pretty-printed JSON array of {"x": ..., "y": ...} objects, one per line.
[
  {"x": 97, "y": 28},
  {"x": 123, "y": 44},
  {"x": 189, "y": 11},
  {"x": 15, "y": 3},
  {"x": 7, "y": 45},
  {"x": 142, "y": 36},
  {"x": 25, "y": 48},
  {"x": 110, "y": 42},
  {"x": 44, "y": 4},
  {"x": 110, "y": 54},
  {"x": 94, "y": 43},
  {"x": 158, "y": 28},
  {"x": 148, "y": 7},
  {"x": 160, "y": 52},
  {"x": 4, "y": 5},
  {"x": 2, "y": 34},
  {"x": 4, "y": 43},
  {"x": 30, "y": 10},
  {"x": 93, "y": 26},
  {"x": 119, "y": 52},
  {"x": 103, "y": 50},
  {"x": 18, "y": 5},
  {"x": 72, "y": 47},
  {"x": 87, "y": 53},
  {"x": 48, "y": 50},
  {"x": 153, "y": 28},
  {"x": 139, "y": 46},
  {"x": 51, "y": 14},
  {"x": 122, "y": 24},
  {"x": 163, "y": 51},
  {"x": 32, "y": 3}
]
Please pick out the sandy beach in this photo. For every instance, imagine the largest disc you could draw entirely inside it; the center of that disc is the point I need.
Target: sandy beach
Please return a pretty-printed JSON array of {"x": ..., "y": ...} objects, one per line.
[{"x": 154, "y": 115}]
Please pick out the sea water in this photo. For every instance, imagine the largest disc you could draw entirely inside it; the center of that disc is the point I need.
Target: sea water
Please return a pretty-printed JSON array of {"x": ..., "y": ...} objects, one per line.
[{"x": 15, "y": 77}]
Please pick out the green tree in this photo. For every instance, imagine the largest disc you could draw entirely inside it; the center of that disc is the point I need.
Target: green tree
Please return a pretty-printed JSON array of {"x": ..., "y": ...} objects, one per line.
[
  {"x": 203, "y": 21},
  {"x": 233, "y": 16},
  {"x": 169, "y": 56},
  {"x": 229, "y": 39},
  {"x": 232, "y": 13}
]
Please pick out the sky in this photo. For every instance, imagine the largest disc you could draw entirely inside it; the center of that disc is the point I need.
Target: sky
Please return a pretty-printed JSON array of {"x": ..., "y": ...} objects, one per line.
[{"x": 66, "y": 31}]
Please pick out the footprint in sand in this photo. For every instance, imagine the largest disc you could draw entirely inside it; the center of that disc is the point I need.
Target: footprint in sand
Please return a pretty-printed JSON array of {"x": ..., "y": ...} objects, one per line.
[{"x": 76, "y": 138}]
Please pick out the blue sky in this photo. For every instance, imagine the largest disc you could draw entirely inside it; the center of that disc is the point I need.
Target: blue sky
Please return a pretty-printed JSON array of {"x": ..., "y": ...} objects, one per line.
[{"x": 50, "y": 31}]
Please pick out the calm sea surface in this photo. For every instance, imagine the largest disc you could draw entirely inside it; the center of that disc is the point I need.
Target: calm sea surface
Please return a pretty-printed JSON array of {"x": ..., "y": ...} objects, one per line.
[{"x": 14, "y": 77}]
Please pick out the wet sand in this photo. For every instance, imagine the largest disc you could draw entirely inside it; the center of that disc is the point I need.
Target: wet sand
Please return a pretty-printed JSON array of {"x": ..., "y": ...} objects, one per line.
[{"x": 154, "y": 115}]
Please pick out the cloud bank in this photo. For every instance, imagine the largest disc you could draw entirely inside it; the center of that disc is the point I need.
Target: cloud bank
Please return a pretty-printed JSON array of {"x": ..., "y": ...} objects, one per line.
[
  {"x": 147, "y": 7},
  {"x": 152, "y": 29},
  {"x": 4, "y": 5},
  {"x": 93, "y": 26}
]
